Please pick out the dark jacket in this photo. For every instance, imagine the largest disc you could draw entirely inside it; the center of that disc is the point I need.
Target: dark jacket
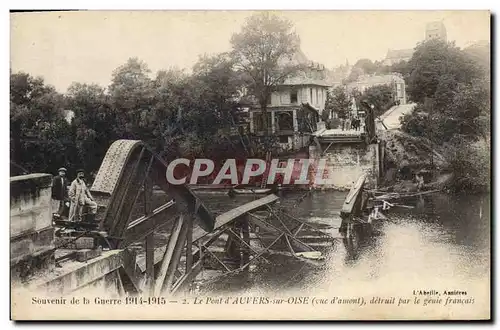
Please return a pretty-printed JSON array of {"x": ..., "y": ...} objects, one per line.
[{"x": 60, "y": 188}]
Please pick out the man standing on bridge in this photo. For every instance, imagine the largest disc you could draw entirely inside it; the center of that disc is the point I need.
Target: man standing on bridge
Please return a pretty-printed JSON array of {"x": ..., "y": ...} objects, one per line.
[
  {"x": 59, "y": 191},
  {"x": 369, "y": 121},
  {"x": 80, "y": 196}
]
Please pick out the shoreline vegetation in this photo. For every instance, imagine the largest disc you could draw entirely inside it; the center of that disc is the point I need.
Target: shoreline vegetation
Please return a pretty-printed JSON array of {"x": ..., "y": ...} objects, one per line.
[
  {"x": 451, "y": 89},
  {"x": 191, "y": 115}
]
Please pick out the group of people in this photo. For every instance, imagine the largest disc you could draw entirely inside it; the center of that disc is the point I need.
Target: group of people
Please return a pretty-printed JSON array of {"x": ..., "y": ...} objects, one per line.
[
  {"x": 350, "y": 123},
  {"x": 77, "y": 197}
]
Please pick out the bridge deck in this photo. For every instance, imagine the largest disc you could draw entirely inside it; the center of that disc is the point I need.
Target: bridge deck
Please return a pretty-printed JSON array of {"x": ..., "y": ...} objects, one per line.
[{"x": 233, "y": 214}]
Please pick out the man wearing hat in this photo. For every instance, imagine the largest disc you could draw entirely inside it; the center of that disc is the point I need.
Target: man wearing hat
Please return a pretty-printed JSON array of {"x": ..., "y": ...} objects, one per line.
[
  {"x": 80, "y": 196},
  {"x": 60, "y": 185}
]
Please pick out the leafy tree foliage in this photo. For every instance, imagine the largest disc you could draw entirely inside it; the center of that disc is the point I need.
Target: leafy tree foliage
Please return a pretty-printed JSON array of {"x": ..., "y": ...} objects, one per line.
[
  {"x": 263, "y": 51},
  {"x": 338, "y": 101},
  {"x": 37, "y": 125},
  {"x": 452, "y": 91},
  {"x": 356, "y": 72},
  {"x": 174, "y": 112},
  {"x": 94, "y": 123},
  {"x": 437, "y": 65},
  {"x": 380, "y": 96},
  {"x": 366, "y": 65}
]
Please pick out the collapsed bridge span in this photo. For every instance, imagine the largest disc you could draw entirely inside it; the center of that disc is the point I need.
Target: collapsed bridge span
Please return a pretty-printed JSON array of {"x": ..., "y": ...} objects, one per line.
[{"x": 123, "y": 190}]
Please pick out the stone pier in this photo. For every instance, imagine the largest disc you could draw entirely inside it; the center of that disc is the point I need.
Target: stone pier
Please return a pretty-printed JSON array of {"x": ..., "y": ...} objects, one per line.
[
  {"x": 31, "y": 230},
  {"x": 347, "y": 157},
  {"x": 34, "y": 251}
]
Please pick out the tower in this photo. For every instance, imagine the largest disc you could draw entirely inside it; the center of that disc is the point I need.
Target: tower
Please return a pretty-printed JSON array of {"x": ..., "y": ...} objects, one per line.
[{"x": 435, "y": 30}]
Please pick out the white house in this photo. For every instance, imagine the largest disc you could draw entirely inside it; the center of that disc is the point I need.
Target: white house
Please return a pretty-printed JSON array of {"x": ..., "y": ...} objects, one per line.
[{"x": 295, "y": 108}]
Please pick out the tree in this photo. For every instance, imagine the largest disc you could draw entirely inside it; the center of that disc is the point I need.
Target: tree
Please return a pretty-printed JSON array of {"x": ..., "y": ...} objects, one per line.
[
  {"x": 37, "y": 122},
  {"x": 220, "y": 80},
  {"x": 131, "y": 96},
  {"x": 381, "y": 96},
  {"x": 480, "y": 53},
  {"x": 95, "y": 123},
  {"x": 354, "y": 75},
  {"x": 263, "y": 50},
  {"x": 366, "y": 65},
  {"x": 338, "y": 101},
  {"x": 220, "y": 85},
  {"x": 452, "y": 92},
  {"x": 433, "y": 60}
]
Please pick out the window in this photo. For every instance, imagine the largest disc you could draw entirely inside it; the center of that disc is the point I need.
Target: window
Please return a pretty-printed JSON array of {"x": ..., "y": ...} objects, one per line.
[
  {"x": 284, "y": 120},
  {"x": 293, "y": 97},
  {"x": 311, "y": 95},
  {"x": 317, "y": 96},
  {"x": 283, "y": 139}
]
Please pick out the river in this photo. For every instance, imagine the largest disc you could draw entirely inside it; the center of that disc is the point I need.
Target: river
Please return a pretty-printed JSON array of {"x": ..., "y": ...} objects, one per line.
[{"x": 442, "y": 243}]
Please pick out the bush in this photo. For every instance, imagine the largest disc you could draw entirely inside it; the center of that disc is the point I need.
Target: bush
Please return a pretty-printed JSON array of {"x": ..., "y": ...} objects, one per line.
[{"x": 470, "y": 163}]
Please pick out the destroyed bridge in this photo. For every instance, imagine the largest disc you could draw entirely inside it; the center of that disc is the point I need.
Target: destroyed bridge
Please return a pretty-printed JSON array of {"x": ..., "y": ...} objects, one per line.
[{"x": 120, "y": 251}]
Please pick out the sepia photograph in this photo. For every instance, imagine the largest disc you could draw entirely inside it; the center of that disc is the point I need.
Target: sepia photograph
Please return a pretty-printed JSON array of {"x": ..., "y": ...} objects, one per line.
[{"x": 250, "y": 165}]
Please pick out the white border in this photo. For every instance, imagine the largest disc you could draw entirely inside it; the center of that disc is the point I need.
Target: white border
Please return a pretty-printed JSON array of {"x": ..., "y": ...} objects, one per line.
[{"x": 191, "y": 4}]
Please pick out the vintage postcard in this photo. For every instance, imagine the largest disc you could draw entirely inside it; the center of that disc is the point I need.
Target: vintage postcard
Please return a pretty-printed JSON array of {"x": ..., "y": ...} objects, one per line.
[{"x": 250, "y": 165}]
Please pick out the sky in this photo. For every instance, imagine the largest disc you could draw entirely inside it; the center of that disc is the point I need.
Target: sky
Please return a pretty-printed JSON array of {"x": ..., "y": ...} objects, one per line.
[{"x": 85, "y": 47}]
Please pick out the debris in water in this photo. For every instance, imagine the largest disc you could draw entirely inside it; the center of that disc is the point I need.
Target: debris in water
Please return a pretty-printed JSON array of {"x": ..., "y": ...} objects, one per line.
[{"x": 316, "y": 255}]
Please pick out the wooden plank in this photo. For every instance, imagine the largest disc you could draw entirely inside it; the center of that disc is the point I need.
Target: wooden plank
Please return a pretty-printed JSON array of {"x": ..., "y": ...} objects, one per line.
[
  {"x": 325, "y": 151},
  {"x": 235, "y": 213},
  {"x": 354, "y": 193},
  {"x": 188, "y": 277},
  {"x": 168, "y": 256},
  {"x": 159, "y": 252},
  {"x": 156, "y": 211},
  {"x": 146, "y": 225},
  {"x": 176, "y": 257}
]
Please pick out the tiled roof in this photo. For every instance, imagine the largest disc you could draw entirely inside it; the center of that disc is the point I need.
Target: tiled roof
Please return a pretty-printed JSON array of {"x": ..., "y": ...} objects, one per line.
[{"x": 315, "y": 73}]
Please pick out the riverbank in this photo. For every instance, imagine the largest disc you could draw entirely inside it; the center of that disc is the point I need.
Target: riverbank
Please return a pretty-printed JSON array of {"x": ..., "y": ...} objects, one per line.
[{"x": 453, "y": 167}]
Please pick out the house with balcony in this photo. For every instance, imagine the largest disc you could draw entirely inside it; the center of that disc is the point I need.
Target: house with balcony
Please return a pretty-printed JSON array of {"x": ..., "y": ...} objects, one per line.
[{"x": 295, "y": 107}]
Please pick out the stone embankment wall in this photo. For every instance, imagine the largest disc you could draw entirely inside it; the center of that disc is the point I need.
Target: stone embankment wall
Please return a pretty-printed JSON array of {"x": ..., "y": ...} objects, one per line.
[
  {"x": 32, "y": 246},
  {"x": 31, "y": 228},
  {"x": 345, "y": 163}
]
